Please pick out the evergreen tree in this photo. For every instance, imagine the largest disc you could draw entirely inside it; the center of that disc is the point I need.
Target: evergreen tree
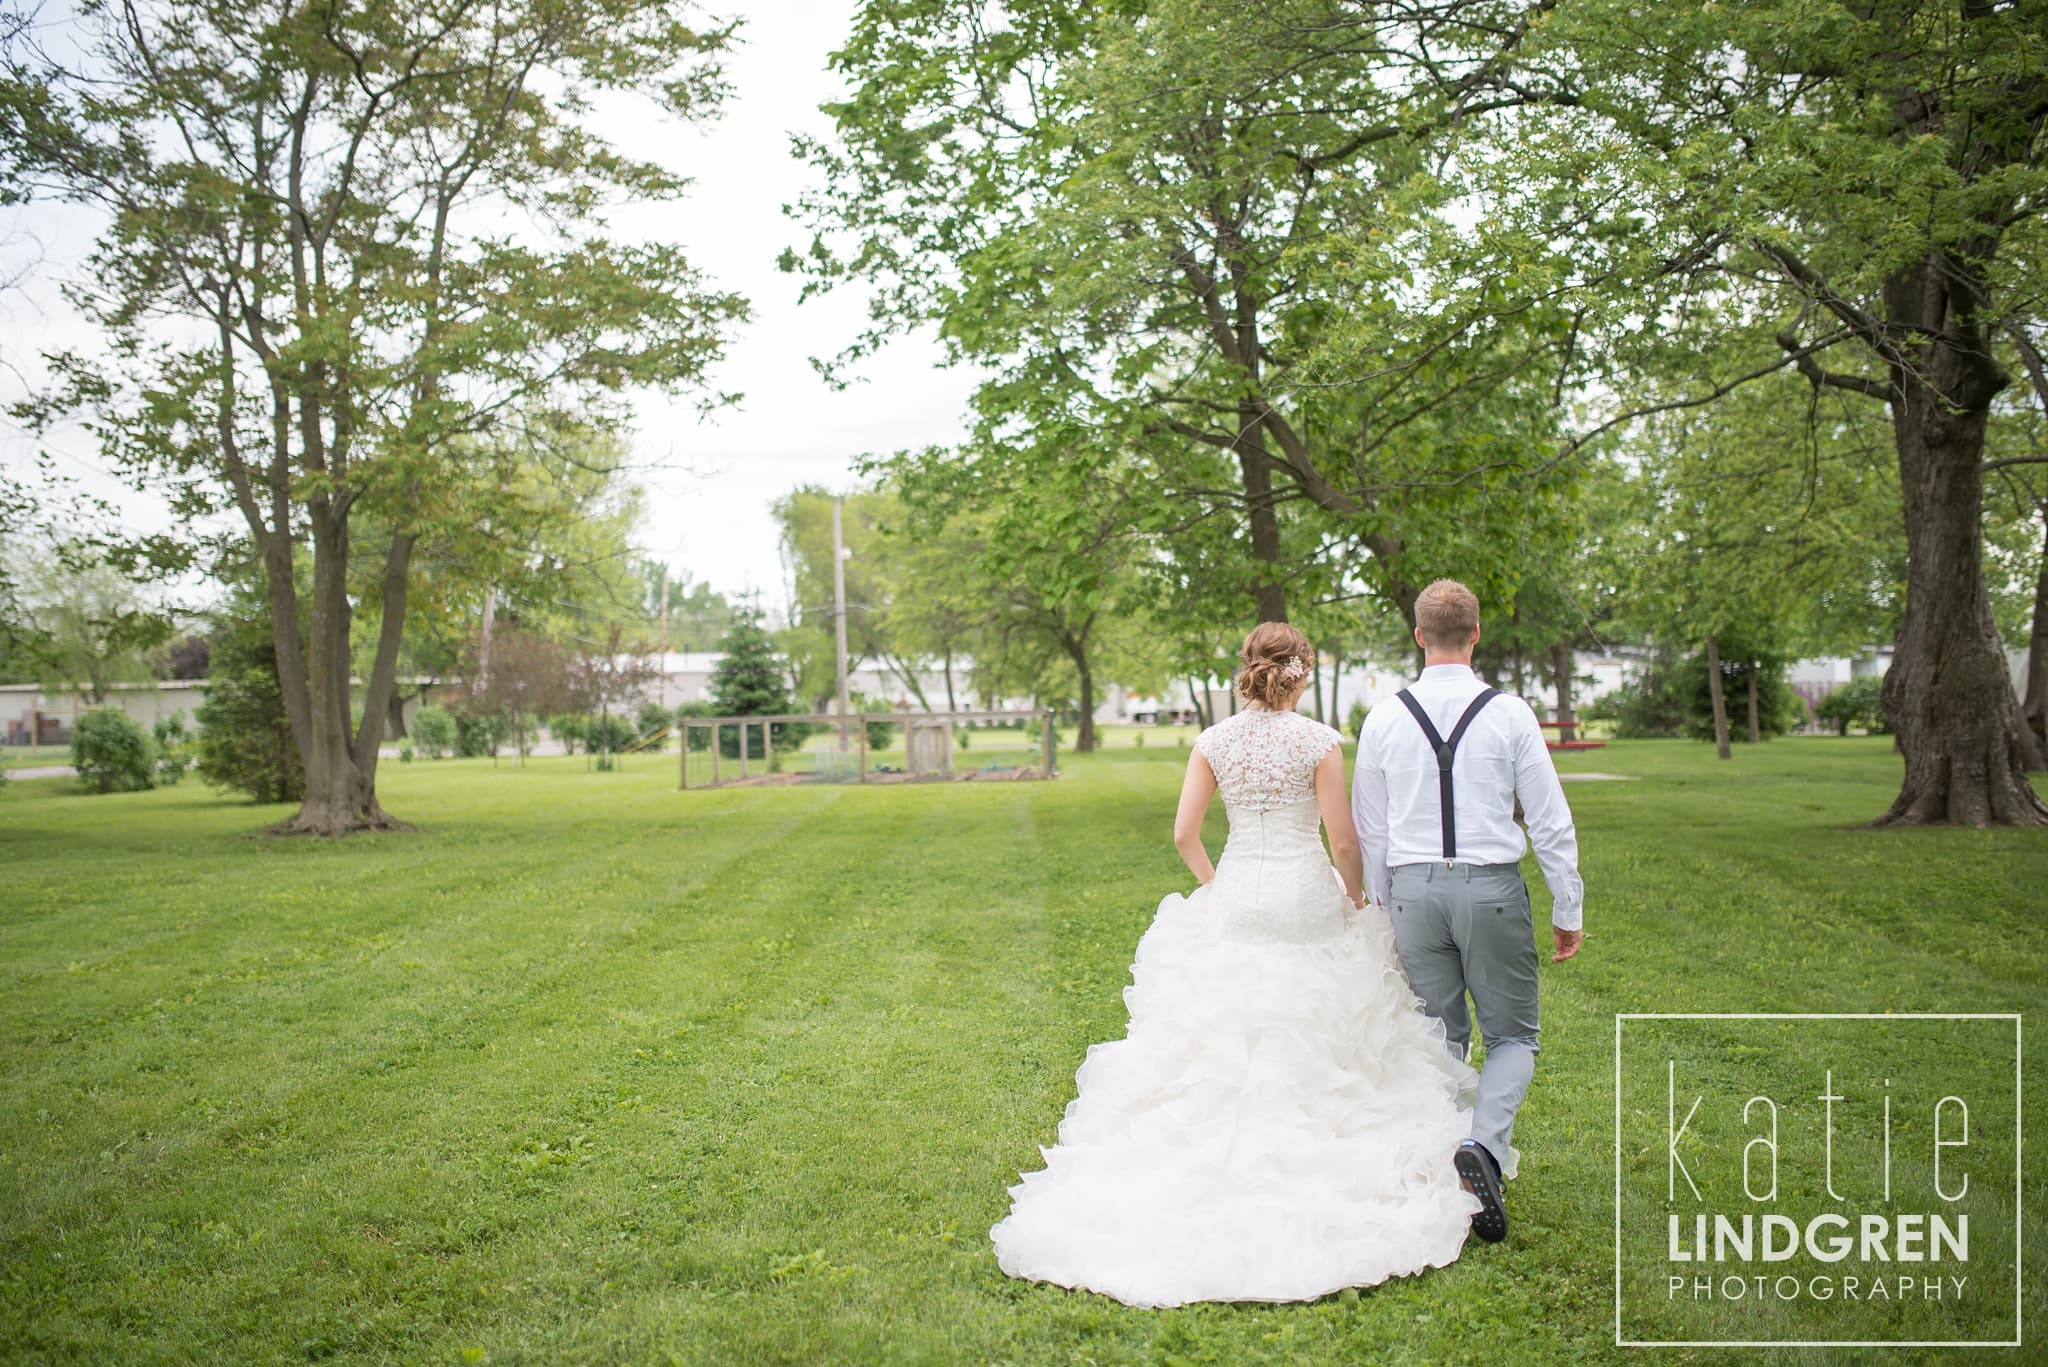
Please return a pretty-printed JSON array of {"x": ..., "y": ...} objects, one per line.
[
  {"x": 245, "y": 734},
  {"x": 750, "y": 682}
]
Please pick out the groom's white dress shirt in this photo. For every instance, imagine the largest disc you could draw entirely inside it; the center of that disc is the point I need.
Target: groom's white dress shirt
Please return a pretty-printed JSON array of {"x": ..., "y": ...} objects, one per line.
[{"x": 1394, "y": 792}]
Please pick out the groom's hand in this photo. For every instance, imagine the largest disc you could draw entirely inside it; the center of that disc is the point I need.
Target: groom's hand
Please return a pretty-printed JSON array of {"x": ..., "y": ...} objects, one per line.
[{"x": 1567, "y": 942}]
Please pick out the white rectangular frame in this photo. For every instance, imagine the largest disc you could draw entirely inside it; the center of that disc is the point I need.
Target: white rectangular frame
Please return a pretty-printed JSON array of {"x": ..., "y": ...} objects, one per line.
[{"x": 2018, "y": 1194}]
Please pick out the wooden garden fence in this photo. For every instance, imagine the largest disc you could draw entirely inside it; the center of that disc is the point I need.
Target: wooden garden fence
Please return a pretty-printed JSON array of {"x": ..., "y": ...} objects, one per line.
[{"x": 929, "y": 742}]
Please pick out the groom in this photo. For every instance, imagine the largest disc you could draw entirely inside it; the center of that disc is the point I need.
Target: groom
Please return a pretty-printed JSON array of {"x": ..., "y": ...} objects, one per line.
[{"x": 1440, "y": 767}]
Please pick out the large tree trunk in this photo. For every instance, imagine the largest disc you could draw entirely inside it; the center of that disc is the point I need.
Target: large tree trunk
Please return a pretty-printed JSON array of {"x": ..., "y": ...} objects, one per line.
[
  {"x": 341, "y": 769},
  {"x": 1084, "y": 733},
  {"x": 1269, "y": 593},
  {"x": 1333, "y": 721},
  {"x": 1756, "y": 730},
  {"x": 1195, "y": 700},
  {"x": 1947, "y": 693},
  {"x": 1719, "y": 697},
  {"x": 1561, "y": 666},
  {"x": 2034, "y": 707}
]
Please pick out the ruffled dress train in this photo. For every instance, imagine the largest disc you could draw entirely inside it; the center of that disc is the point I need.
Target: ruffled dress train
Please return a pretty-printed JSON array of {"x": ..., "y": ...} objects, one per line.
[{"x": 1279, "y": 1120}]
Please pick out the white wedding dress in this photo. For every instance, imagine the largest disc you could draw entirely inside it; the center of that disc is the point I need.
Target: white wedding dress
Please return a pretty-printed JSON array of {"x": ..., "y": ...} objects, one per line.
[{"x": 1279, "y": 1120}]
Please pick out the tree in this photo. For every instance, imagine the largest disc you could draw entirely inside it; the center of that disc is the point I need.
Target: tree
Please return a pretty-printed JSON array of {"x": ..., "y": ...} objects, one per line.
[
  {"x": 245, "y": 733},
  {"x": 691, "y": 614},
  {"x": 1131, "y": 215},
  {"x": 379, "y": 232},
  {"x": 530, "y": 674},
  {"x": 1051, "y": 570},
  {"x": 24, "y": 646},
  {"x": 873, "y": 579},
  {"x": 1863, "y": 186},
  {"x": 941, "y": 613},
  {"x": 95, "y": 628},
  {"x": 2034, "y": 707},
  {"x": 1763, "y": 525},
  {"x": 605, "y": 675},
  {"x": 2026, "y": 481},
  {"x": 748, "y": 681},
  {"x": 190, "y": 658},
  {"x": 1756, "y": 702},
  {"x": 553, "y": 554}
]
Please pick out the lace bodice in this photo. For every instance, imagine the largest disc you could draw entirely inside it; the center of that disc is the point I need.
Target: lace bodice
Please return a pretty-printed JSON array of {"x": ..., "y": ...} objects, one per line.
[{"x": 1266, "y": 759}]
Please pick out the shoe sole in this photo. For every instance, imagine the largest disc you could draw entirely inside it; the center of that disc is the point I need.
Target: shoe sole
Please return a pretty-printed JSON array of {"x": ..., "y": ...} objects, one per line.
[{"x": 1491, "y": 1223}]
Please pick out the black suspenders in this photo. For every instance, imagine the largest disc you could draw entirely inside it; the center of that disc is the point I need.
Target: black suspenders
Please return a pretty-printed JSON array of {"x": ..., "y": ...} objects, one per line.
[{"x": 1446, "y": 750}]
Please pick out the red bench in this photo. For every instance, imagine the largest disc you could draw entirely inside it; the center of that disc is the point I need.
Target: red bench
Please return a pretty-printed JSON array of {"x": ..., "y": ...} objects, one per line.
[{"x": 1570, "y": 744}]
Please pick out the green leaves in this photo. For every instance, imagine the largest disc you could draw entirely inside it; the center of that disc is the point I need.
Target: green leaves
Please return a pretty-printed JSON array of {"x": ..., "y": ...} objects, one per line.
[{"x": 377, "y": 235}]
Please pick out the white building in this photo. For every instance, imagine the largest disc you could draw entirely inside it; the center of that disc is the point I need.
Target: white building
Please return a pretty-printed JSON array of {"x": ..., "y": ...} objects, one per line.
[{"x": 31, "y": 716}]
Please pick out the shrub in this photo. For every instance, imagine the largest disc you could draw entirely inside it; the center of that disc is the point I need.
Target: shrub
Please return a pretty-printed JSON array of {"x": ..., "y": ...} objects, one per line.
[
  {"x": 606, "y": 733},
  {"x": 111, "y": 753},
  {"x": 1856, "y": 703},
  {"x": 881, "y": 734},
  {"x": 1651, "y": 703},
  {"x": 477, "y": 735},
  {"x": 568, "y": 730},
  {"x": 1354, "y": 723},
  {"x": 245, "y": 736},
  {"x": 433, "y": 731},
  {"x": 173, "y": 748}
]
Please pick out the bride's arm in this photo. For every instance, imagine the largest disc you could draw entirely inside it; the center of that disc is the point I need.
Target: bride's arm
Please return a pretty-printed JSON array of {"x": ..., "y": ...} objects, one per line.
[
  {"x": 1195, "y": 791},
  {"x": 1336, "y": 808}
]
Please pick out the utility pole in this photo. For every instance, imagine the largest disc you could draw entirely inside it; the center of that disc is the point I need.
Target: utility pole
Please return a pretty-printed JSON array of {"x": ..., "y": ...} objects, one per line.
[
  {"x": 839, "y": 607},
  {"x": 664, "y": 616}
]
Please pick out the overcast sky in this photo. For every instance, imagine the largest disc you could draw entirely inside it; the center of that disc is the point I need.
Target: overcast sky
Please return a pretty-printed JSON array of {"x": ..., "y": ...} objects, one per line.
[{"x": 711, "y": 481}]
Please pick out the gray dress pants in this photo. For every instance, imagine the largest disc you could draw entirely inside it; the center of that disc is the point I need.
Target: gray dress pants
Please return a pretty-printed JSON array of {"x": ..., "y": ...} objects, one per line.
[{"x": 1465, "y": 928}]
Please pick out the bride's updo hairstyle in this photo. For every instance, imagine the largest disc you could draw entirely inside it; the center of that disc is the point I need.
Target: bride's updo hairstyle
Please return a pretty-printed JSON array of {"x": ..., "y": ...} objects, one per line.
[{"x": 1274, "y": 664}]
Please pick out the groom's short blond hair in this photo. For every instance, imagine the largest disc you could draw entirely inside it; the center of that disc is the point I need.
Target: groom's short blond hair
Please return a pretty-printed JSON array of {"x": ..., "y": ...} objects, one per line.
[{"x": 1445, "y": 614}]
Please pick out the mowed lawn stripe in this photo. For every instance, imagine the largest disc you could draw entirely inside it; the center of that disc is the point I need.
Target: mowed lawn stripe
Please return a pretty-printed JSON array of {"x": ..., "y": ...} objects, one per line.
[
  {"x": 587, "y": 1069},
  {"x": 866, "y": 1020},
  {"x": 306, "y": 1061}
]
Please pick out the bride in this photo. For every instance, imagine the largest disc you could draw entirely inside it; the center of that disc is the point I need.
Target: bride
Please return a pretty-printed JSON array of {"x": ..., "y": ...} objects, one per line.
[{"x": 1279, "y": 1121}]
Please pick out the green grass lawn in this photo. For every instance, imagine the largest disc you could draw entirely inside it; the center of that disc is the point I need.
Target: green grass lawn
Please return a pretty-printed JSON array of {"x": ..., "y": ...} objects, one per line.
[
  {"x": 33, "y": 756},
  {"x": 588, "y": 1069}
]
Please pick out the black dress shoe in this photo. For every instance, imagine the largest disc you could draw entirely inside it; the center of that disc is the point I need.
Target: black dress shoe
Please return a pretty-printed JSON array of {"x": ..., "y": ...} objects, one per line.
[{"x": 1482, "y": 1174}]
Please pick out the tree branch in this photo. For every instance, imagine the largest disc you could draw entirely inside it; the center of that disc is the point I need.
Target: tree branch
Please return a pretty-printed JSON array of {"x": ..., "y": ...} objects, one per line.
[
  {"x": 1811, "y": 369},
  {"x": 1862, "y": 324}
]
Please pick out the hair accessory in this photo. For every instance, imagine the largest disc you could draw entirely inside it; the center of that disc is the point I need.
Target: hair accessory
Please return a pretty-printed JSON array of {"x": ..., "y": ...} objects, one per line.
[{"x": 1294, "y": 668}]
